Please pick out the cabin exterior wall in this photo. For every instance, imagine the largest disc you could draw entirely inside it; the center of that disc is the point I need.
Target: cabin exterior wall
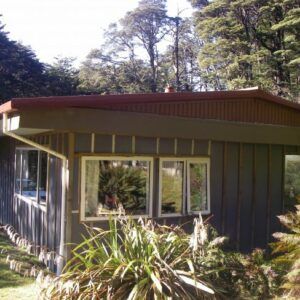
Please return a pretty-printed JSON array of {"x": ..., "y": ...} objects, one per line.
[
  {"x": 40, "y": 224},
  {"x": 246, "y": 182},
  {"x": 7, "y": 162}
]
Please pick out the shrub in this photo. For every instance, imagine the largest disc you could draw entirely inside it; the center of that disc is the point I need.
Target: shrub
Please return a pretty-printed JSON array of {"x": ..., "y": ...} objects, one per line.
[
  {"x": 134, "y": 260},
  {"x": 288, "y": 250}
]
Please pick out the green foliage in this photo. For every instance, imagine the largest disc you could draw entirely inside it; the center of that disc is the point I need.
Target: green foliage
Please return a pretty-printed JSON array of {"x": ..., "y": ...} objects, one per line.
[
  {"x": 238, "y": 44},
  {"x": 291, "y": 182},
  {"x": 198, "y": 182},
  {"x": 133, "y": 59},
  {"x": 105, "y": 72},
  {"x": 127, "y": 186},
  {"x": 62, "y": 77},
  {"x": 179, "y": 63},
  {"x": 21, "y": 73},
  {"x": 288, "y": 250},
  {"x": 148, "y": 24},
  {"x": 253, "y": 42},
  {"x": 116, "y": 67},
  {"x": 133, "y": 260},
  {"x": 171, "y": 192}
]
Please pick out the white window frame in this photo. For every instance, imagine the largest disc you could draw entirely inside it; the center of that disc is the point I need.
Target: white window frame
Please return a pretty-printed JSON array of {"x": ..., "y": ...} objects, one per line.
[
  {"x": 149, "y": 205},
  {"x": 31, "y": 200},
  {"x": 161, "y": 160},
  {"x": 186, "y": 186},
  {"x": 200, "y": 161},
  {"x": 288, "y": 158}
]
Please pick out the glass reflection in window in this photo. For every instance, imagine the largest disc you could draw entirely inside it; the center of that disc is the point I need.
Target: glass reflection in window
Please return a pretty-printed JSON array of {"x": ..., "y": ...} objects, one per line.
[
  {"x": 292, "y": 181},
  {"x": 43, "y": 178},
  {"x": 197, "y": 186},
  {"x": 18, "y": 165},
  {"x": 116, "y": 186},
  {"x": 172, "y": 188},
  {"x": 29, "y": 173}
]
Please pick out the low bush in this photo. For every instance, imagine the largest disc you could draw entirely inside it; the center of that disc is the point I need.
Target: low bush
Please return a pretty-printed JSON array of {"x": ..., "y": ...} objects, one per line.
[
  {"x": 137, "y": 260},
  {"x": 287, "y": 249}
]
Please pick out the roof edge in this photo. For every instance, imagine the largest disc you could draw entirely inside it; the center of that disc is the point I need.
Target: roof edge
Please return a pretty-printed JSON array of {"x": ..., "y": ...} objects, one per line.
[
  {"x": 264, "y": 95},
  {"x": 98, "y": 101},
  {"x": 6, "y": 107}
]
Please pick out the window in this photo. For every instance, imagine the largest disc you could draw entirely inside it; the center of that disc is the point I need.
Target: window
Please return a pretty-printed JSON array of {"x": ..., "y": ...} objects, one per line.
[
  {"x": 18, "y": 165},
  {"x": 292, "y": 181},
  {"x": 184, "y": 186},
  {"x": 43, "y": 169},
  {"x": 31, "y": 174},
  {"x": 172, "y": 186},
  {"x": 197, "y": 187},
  {"x": 113, "y": 185}
]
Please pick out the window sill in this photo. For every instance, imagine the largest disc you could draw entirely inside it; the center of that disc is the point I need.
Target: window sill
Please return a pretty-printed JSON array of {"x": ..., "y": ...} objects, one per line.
[
  {"x": 190, "y": 214},
  {"x": 112, "y": 216},
  {"x": 32, "y": 202},
  {"x": 196, "y": 213},
  {"x": 170, "y": 215}
]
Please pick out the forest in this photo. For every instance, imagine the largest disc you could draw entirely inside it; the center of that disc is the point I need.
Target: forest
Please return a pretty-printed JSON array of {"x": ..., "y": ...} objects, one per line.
[{"x": 223, "y": 45}]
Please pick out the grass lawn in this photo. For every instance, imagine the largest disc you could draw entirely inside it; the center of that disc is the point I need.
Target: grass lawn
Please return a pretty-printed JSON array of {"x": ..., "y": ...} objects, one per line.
[{"x": 13, "y": 285}]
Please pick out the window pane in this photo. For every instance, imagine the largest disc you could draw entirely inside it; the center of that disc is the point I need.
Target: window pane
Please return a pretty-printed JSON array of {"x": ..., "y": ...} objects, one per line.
[
  {"x": 29, "y": 173},
  {"x": 292, "y": 181},
  {"x": 116, "y": 185},
  {"x": 172, "y": 186},
  {"x": 198, "y": 186},
  {"x": 18, "y": 172},
  {"x": 43, "y": 177}
]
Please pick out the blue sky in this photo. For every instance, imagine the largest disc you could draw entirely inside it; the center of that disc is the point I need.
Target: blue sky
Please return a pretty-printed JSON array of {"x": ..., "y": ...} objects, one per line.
[{"x": 67, "y": 27}]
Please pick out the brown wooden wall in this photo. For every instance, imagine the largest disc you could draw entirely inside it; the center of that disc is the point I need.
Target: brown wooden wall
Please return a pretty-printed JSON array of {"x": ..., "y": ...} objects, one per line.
[
  {"x": 247, "y": 191},
  {"x": 246, "y": 182},
  {"x": 7, "y": 158},
  {"x": 246, "y": 185},
  {"x": 38, "y": 224}
]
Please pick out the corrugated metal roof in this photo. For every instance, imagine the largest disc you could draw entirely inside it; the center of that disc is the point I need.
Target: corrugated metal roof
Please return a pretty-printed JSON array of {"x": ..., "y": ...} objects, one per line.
[
  {"x": 251, "y": 106},
  {"x": 249, "y": 111}
]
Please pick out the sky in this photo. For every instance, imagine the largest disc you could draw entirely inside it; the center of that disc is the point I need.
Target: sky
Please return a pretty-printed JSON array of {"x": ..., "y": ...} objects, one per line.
[{"x": 68, "y": 28}]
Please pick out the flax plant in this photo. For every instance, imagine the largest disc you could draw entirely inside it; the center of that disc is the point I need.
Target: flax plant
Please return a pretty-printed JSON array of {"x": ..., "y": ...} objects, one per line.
[{"x": 143, "y": 260}]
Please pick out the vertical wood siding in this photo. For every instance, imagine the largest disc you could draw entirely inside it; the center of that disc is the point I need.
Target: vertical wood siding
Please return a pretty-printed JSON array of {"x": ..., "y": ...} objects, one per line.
[
  {"x": 7, "y": 162},
  {"x": 246, "y": 183},
  {"x": 40, "y": 226},
  {"x": 216, "y": 183},
  {"x": 246, "y": 186},
  {"x": 252, "y": 190}
]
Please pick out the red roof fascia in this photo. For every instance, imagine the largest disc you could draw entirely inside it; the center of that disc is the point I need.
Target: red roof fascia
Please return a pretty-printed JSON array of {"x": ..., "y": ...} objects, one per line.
[{"x": 101, "y": 101}]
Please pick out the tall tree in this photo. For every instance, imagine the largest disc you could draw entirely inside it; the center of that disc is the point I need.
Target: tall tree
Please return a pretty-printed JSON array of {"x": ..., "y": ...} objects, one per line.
[
  {"x": 179, "y": 63},
  {"x": 21, "y": 73},
  {"x": 148, "y": 24},
  {"x": 252, "y": 42},
  {"x": 289, "y": 28},
  {"x": 62, "y": 77},
  {"x": 105, "y": 72},
  {"x": 122, "y": 49}
]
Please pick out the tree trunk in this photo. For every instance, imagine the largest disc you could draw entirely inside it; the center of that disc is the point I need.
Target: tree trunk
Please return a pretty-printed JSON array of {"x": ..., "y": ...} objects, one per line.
[{"x": 153, "y": 70}]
